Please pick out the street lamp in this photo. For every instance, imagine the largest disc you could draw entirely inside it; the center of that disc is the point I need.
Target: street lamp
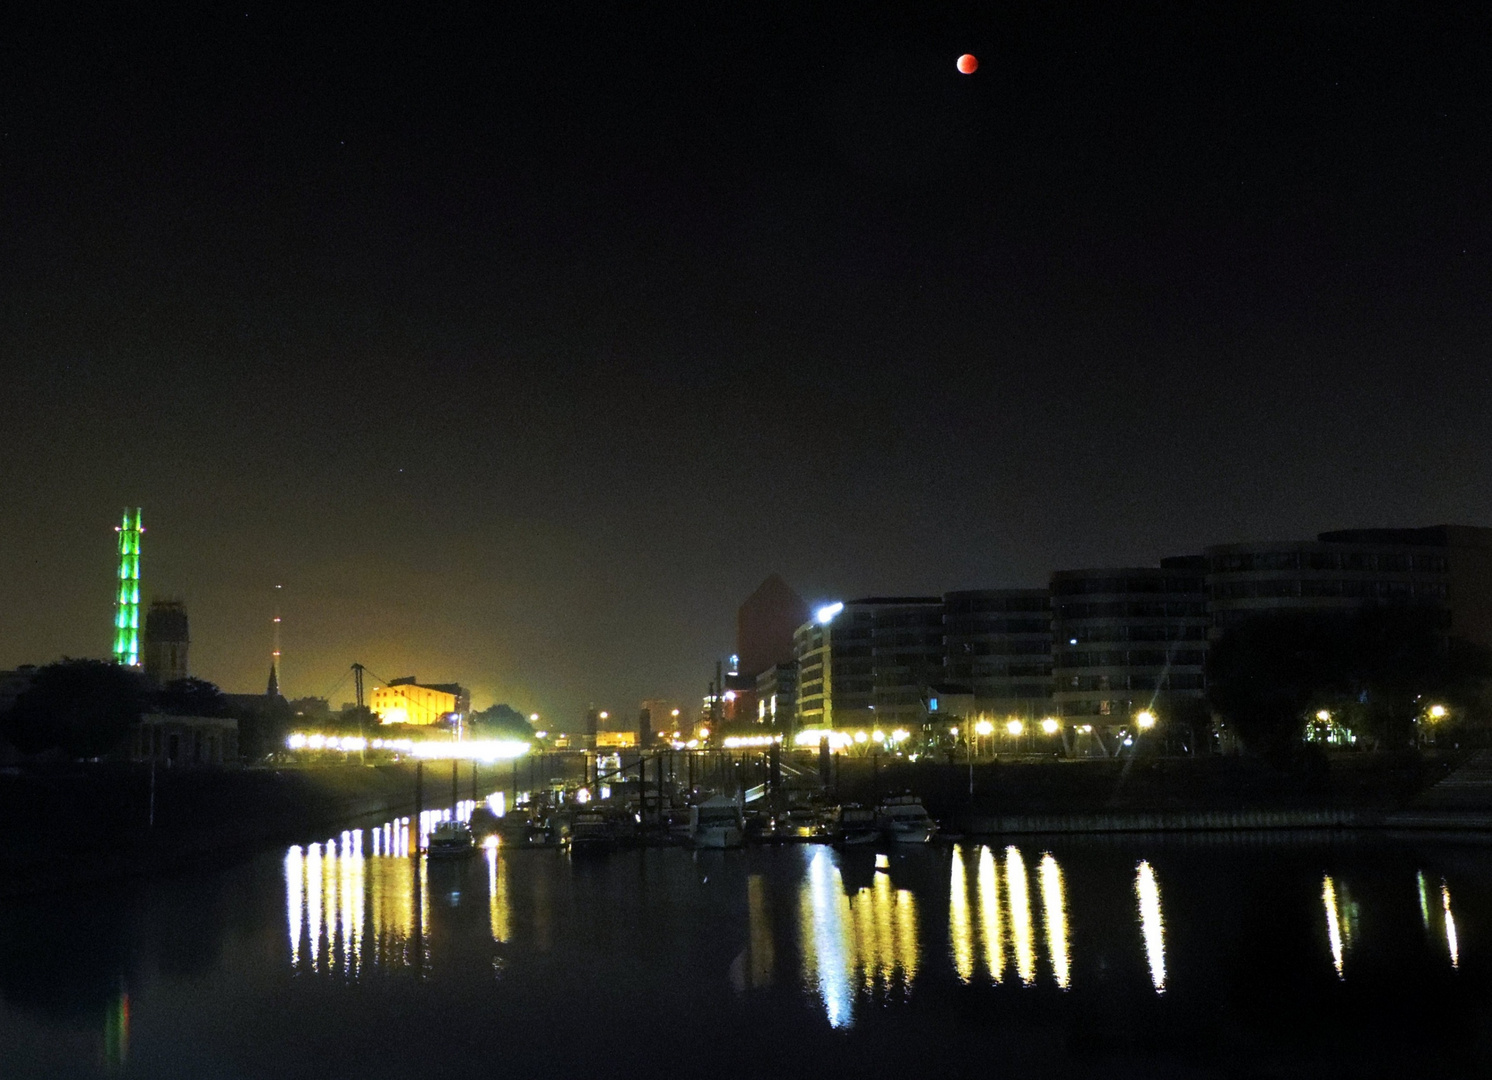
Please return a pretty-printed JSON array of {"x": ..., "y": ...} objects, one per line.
[
  {"x": 983, "y": 729},
  {"x": 1146, "y": 719},
  {"x": 1050, "y": 725}
]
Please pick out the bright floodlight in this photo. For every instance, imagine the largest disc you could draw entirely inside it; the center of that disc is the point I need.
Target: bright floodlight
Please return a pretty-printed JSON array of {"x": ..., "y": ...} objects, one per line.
[
  {"x": 1050, "y": 725},
  {"x": 533, "y": 718},
  {"x": 1323, "y": 715},
  {"x": 1015, "y": 727},
  {"x": 1145, "y": 718},
  {"x": 825, "y": 615},
  {"x": 860, "y": 736},
  {"x": 1437, "y": 712},
  {"x": 984, "y": 727}
]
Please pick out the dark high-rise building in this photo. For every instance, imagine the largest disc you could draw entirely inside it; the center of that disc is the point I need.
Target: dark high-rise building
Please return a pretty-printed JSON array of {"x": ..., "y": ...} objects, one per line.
[
  {"x": 166, "y": 641},
  {"x": 999, "y": 648},
  {"x": 1447, "y": 567},
  {"x": 1128, "y": 640},
  {"x": 765, "y": 624}
]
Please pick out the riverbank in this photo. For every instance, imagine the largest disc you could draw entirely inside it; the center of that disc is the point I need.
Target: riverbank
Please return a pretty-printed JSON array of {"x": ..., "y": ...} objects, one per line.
[
  {"x": 69, "y": 825},
  {"x": 1331, "y": 792}
]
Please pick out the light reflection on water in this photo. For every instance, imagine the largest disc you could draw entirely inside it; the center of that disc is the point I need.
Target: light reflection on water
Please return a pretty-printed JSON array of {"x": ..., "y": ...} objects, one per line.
[
  {"x": 349, "y": 913},
  {"x": 1333, "y": 923},
  {"x": 865, "y": 943},
  {"x": 988, "y": 937},
  {"x": 1054, "y": 918},
  {"x": 1020, "y": 914},
  {"x": 960, "y": 932},
  {"x": 497, "y": 894},
  {"x": 1335, "y": 949},
  {"x": 1152, "y": 924},
  {"x": 345, "y": 910},
  {"x": 1450, "y": 926},
  {"x": 991, "y": 925}
]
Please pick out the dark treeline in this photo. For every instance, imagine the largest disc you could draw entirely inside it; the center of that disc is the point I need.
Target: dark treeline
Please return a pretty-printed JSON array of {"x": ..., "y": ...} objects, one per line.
[{"x": 1376, "y": 671}]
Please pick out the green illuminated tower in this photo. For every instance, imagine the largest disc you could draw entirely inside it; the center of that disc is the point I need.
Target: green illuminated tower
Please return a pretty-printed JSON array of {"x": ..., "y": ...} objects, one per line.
[{"x": 127, "y": 606}]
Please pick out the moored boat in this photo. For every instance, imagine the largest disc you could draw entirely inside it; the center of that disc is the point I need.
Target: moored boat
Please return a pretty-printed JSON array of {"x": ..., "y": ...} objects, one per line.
[
  {"x": 904, "y": 820},
  {"x": 716, "y": 823},
  {"x": 451, "y": 840},
  {"x": 592, "y": 831}
]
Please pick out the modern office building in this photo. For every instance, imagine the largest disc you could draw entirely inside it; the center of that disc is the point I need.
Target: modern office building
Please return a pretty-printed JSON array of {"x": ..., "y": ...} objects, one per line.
[
  {"x": 1128, "y": 640},
  {"x": 1448, "y": 567},
  {"x": 777, "y": 697},
  {"x": 998, "y": 646},
  {"x": 166, "y": 642},
  {"x": 867, "y": 663},
  {"x": 404, "y": 701}
]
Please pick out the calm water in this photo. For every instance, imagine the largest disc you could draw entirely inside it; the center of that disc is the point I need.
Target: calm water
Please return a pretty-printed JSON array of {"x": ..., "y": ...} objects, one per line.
[{"x": 1145, "y": 957}]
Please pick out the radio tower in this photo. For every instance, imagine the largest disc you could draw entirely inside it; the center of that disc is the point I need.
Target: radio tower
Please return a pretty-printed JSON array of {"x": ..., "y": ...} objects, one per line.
[
  {"x": 273, "y": 689},
  {"x": 127, "y": 604}
]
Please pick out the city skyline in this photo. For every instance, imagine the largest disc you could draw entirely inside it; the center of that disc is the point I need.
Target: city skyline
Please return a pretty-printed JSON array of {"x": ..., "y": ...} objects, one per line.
[{"x": 506, "y": 382}]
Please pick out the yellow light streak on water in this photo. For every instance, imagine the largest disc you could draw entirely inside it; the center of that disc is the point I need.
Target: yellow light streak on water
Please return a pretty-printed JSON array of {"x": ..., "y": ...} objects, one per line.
[
  {"x": 1020, "y": 914},
  {"x": 497, "y": 895},
  {"x": 1152, "y": 924},
  {"x": 960, "y": 930},
  {"x": 991, "y": 925},
  {"x": 1333, "y": 921},
  {"x": 331, "y": 910},
  {"x": 1450, "y": 926},
  {"x": 1054, "y": 918},
  {"x": 313, "y": 903},
  {"x": 884, "y": 960},
  {"x": 352, "y": 891},
  {"x": 908, "y": 945},
  {"x": 422, "y": 961},
  {"x": 295, "y": 900},
  {"x": 763, "y": 958}
]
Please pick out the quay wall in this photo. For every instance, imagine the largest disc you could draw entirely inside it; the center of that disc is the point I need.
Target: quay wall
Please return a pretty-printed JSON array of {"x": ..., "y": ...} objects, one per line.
[
  {"x": 1167, "y": 821},
  {"x": 77, "y": 823}
]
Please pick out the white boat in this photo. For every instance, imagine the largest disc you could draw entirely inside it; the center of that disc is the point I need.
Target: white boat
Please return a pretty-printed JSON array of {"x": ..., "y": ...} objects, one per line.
[
  {"x": 904, "y": 820},
  {"x": 716, "y": 823},
  {"x": 451, "y": 840}
]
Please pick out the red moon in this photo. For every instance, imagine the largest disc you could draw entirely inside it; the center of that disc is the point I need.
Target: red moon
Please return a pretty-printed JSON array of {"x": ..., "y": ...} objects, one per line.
[{"x": 968, "y": 63}]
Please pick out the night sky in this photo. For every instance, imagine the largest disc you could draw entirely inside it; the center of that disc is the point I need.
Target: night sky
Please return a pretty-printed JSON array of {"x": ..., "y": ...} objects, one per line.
[{"x": 520, "y": 342}]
